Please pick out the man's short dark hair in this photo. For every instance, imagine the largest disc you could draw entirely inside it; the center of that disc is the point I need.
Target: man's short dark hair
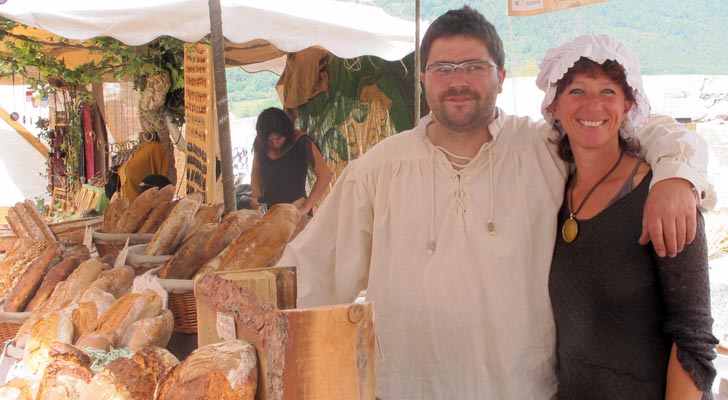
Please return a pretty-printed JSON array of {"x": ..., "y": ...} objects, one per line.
[{"x": 464, "y": 21}]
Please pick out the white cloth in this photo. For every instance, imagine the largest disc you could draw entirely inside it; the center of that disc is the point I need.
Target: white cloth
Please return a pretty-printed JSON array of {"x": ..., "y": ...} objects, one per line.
[
  {"x": 598, "y": 48},
  {"x": 473, "y": 319}
]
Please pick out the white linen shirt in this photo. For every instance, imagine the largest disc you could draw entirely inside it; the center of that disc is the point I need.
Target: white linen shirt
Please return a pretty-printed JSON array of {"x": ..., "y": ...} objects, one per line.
[{"x": 471, "y": 320}]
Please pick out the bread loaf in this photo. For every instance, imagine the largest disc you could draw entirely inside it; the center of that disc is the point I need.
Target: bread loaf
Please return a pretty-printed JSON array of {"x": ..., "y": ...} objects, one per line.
[
  {"x": 157, "y": 360},
  {"x": 173, "y": 229},
  {"x": 116, "y": 281},
  {"x": 260, "y": 246},
  {"x": 92, "y": 304},
  {"x": 190, "y": 256},
  {"x": 56, "y": 274},
  {"x": 207, "y": 213},
  {"x": 125, "y": 311},
  {"x": 231, "y": 226},
  {"x": 65, "y": 379},
  {"x": 159, "y": 213},
  {"x": 113, "y": 213},
  {"x": 122, "y": 379},
  {"x": 66, "y": 293},
  {"x": 154, "y": 331},
  {"x": 12, "y": 268},
  {"x": 137, "y": 212},
  {"x": 30, "y": 280},
  {"x": 132, "y": 379},
  {"x": 225, "y": 370},
  {"x": 54, "y": 326},
  {"x": 19, "y": 389}
]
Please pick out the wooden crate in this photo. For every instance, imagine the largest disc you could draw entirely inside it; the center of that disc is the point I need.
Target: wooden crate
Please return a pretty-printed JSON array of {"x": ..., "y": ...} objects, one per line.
[{"x": 323, "y": 353}]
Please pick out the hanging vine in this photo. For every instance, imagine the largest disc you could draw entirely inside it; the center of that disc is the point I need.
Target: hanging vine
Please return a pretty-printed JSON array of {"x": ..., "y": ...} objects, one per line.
[{"x": 47, "y": 75}]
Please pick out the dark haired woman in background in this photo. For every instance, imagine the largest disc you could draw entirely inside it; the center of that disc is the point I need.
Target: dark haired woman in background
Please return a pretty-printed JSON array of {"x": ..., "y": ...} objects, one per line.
[{"x": 282, "y": 157}]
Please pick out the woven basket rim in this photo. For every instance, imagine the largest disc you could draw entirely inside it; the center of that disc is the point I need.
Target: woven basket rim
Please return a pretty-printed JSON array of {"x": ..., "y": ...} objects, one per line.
[
  {"x": 136, "y": 256},
  {"x": 136, "y": 238}
]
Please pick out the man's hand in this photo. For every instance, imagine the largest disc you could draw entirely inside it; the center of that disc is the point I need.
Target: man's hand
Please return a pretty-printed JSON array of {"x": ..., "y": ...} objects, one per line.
[{"x": 669, "y": 218}]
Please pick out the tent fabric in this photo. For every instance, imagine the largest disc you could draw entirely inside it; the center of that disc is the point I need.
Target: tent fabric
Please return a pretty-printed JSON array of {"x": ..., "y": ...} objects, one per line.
[{"x": 345, "y": 29}]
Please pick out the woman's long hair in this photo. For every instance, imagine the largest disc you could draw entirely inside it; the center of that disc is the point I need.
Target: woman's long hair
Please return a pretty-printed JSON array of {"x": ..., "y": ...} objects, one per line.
[{"x": 272, "y": 120}]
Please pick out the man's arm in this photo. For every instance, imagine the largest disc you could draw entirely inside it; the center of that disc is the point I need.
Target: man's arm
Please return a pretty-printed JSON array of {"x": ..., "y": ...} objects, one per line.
[
  {"x": 670, "y": 211},
  {"x": 332, "y": 253}
]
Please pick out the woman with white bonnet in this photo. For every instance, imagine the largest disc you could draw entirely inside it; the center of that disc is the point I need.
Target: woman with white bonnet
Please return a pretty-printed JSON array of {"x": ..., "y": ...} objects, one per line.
[{"x": 630, "y": 325}]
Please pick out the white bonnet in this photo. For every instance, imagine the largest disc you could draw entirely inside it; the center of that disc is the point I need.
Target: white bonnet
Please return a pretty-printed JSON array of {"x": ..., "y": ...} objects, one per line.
[{"x": 598, "y": 48}]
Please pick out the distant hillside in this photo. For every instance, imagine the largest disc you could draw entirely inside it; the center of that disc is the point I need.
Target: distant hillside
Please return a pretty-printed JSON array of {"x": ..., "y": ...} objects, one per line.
[{"x": 670, "y": 36}]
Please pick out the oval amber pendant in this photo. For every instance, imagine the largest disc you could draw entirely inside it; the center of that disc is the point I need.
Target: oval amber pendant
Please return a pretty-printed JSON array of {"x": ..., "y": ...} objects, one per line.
[{"x": 569, "y": 230}]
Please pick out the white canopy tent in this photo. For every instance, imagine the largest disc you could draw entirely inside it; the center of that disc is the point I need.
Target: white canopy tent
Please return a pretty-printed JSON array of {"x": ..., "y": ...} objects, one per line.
[{"x": 273, "y": 26}]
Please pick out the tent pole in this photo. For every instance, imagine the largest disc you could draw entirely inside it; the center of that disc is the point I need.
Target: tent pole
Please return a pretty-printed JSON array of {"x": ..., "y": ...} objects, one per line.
[
  {"x": 221, "y": 100},
  {"x": 418, "y": 87}
]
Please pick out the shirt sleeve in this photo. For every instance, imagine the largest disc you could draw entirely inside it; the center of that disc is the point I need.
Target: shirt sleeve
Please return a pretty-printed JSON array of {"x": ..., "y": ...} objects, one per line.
[
  {"x": 332, "y": 253},
  {"x": 673, "y": 151},
  {"x": 686, "y": 292}
]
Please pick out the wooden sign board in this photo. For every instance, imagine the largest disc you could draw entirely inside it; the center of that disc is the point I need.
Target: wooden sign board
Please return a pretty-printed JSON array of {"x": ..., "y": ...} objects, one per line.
[
  {"x": 200, "y": 122},
  {"x": 533, "y": 7}
]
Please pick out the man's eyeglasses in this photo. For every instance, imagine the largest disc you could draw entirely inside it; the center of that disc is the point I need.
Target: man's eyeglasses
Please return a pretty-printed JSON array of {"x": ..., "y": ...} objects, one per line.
[{"x": 470, "y": 68}]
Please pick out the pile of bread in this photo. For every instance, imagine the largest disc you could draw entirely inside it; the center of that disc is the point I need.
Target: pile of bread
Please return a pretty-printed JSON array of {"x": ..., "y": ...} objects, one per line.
[
  {"x": 197, "y": 236},
  {"x": 226, "y": 370}
]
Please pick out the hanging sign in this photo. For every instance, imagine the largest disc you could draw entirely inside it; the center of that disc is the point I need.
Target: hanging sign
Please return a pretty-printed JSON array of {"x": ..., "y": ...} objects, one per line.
[{"x": 533, "y": 7}]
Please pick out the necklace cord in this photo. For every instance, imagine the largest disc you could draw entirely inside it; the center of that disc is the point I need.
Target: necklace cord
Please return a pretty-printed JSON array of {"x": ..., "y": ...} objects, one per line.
[{"x": 571, "y": 191}]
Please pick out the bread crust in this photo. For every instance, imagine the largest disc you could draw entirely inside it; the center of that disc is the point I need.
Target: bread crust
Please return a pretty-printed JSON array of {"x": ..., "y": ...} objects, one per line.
[
  {"x": 55, "y": 274},
  {"x": 26, "y": 287}
]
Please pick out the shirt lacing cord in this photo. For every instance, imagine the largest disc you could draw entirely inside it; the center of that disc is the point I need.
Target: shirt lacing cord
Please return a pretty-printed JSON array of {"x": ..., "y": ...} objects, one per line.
[{"x": 459, "y": 194}]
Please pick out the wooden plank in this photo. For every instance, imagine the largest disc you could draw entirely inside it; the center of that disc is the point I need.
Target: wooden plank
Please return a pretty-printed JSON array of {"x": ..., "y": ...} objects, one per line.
[
  {"x": 263, "y": 283},
  {"x": 29, "y": 137},
  {"x": 323, "y": 353}
]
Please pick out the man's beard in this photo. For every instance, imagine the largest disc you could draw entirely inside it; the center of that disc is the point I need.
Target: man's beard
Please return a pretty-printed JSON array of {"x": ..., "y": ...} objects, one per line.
[{"x": 478, "y": 118}]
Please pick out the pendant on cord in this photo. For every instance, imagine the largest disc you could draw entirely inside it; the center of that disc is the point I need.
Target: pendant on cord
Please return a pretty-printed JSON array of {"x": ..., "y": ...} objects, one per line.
[{"x": 570, "y": 229}]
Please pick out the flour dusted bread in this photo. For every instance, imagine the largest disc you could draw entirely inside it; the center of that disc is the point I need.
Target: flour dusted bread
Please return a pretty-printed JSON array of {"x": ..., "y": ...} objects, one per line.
[
  {"x": 226, "y": 370},
  {"x": 260, "y": 246},
  {"x": 173, "y": 229},
  {"x": 123, "y": 312},
  {"x": 207, "y": 213},
  {"x": 56, "y": 326},
  {"x": 65, "y": 294},
  {"x": 155, "y": 331},
  {"x": 92, "y": 304},
  {"x": 67, "y": 375},
  {"x": 116, "y": 281}
]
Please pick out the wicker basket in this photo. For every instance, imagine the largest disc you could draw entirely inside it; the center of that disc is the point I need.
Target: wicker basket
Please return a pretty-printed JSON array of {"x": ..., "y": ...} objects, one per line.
[
  {"x": 10, "y": 323},
  {"x": 143, "y": 263},
  {"x": 8, "y": 330},
  {"x": 112, "y": 243},
  {"x": 182, "y": 304}
]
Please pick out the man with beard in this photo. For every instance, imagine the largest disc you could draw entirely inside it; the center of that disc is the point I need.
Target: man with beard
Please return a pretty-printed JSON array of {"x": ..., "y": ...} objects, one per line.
[{"x": 450, "y": 229}]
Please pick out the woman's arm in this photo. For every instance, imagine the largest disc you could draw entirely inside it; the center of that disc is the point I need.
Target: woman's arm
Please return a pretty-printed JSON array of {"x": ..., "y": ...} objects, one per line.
[
  {"x": 323, "y": 178},
  {"x": 680, "y": 384},
  {"x": 255, "y": 184},
  {"x": 685, "y": 286}
]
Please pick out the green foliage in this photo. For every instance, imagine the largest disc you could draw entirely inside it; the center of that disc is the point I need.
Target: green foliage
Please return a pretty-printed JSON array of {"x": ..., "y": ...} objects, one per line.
[{"x": 670, "y": 36}]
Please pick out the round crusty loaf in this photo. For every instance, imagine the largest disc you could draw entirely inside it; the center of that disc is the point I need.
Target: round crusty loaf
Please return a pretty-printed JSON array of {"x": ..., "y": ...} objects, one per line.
[{"x": 225, "y": 370}]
